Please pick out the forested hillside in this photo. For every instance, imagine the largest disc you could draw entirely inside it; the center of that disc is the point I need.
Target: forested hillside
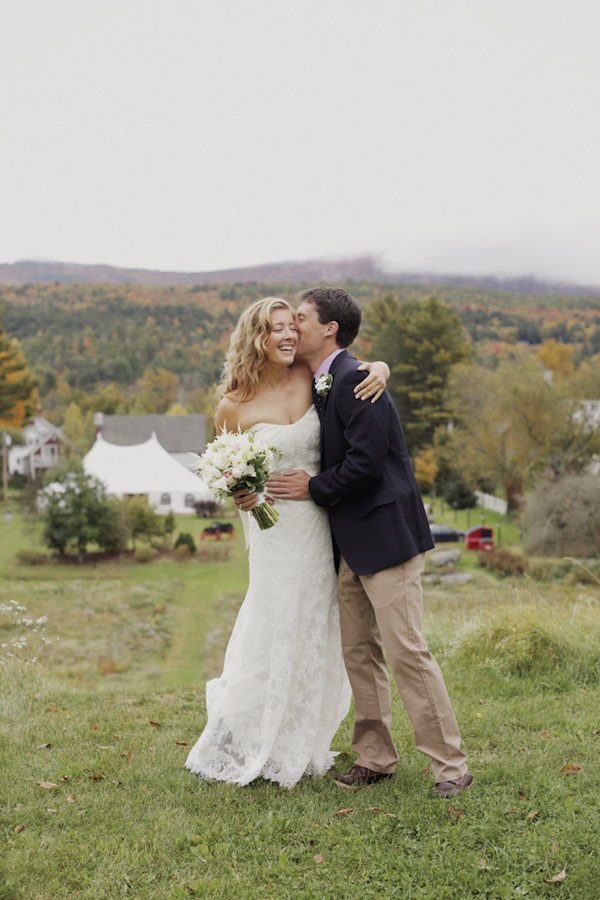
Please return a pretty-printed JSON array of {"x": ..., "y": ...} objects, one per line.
[
  {"x": 512, "y": 374},
  {"x": 85, "y": 335}
]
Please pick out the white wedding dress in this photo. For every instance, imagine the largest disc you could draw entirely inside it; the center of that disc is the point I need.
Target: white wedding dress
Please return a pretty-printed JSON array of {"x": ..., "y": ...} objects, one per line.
[{"x": 284, "y": 690}]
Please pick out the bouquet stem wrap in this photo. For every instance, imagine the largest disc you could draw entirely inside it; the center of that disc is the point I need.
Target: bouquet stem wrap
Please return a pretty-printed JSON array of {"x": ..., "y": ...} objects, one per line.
[{"x": 265, "y": 515}]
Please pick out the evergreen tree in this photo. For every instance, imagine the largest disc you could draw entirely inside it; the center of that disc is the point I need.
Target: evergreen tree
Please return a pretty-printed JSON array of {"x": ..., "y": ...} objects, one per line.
[
  {"x": 421, "y": 341},
  {"x": 17, "y": 384}
]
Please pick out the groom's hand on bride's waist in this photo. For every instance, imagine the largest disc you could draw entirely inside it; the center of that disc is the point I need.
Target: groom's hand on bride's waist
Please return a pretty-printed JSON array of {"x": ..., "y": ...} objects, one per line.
[{"x": 292, "y": 485}]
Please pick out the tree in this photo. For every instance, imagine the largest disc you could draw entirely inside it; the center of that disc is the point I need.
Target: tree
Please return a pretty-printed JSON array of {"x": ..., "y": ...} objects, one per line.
[
  {"x": 75, "y": 510},
  {"x": 78, "y": 432},
  {"x": 514, "y": 424},
  {"x": 421, "y": 341},
  {"x": 142, "y": 520},
  {"x": 426, "y": 469},
  {"x": 557, "y": 357},
  {"x": 17, "y": 384},
  {"x": 157, "y": 389}
]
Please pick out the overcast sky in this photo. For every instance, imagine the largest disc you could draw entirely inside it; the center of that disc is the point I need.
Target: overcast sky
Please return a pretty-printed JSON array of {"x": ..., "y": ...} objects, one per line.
[{"x": 445, "y": 135}]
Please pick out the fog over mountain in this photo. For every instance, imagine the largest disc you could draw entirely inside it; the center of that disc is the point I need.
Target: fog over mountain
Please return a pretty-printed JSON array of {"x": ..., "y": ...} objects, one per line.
[{"x": 297, "y": 272}]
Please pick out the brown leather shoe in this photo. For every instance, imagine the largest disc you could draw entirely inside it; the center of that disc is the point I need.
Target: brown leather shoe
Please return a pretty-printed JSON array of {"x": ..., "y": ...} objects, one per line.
[
  {"x": 359, "y": 776},
  {"x": 445, "y": 789}
]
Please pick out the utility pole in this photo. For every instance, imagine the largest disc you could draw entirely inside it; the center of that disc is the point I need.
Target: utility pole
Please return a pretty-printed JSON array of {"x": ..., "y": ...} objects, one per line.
[{"x": 6, "y": 442}]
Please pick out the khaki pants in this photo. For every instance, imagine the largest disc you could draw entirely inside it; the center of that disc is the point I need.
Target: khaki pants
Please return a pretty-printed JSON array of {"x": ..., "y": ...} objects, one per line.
[{"x": 384, "y": 610}]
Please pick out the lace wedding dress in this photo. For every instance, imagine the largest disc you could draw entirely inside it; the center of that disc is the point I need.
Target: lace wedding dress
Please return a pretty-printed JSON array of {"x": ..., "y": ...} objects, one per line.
[{"x": 284, "y": 690}]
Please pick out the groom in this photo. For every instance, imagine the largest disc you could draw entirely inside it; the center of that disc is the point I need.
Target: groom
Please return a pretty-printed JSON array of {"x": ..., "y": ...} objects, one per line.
[{"x": 380, "y": 535}]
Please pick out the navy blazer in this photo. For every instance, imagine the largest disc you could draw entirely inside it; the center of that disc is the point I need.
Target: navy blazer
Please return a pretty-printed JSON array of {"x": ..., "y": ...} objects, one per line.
[{"x": 367, "y": 482}]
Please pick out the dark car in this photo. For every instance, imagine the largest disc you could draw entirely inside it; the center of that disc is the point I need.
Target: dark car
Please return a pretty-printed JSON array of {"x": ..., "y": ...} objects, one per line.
[{"x": 443, "y": 533}]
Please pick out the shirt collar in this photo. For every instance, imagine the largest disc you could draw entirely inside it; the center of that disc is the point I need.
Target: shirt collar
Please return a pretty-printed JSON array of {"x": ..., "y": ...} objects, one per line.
[{"x": 326, "y": 364}]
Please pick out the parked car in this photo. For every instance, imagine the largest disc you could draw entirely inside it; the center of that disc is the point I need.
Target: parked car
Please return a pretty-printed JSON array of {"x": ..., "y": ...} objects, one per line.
[{"x": 443, "y": 533}]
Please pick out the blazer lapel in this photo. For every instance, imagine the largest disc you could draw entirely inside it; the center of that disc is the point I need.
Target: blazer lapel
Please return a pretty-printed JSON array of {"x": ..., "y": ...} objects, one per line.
[{"x": 322, "y": 400}]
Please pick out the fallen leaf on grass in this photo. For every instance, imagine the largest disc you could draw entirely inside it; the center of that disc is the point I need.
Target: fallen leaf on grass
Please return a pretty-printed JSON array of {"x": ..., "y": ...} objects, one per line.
[
  {"x": 45, "y": 747},
  {"x": 128, "y": 756},
  {"x": 70, "y": 799},
  {"x": 97, "y": 777},
  {"x": 55, "y": 709},
  {"x": 318, "y": 858},
  {"x": 509, "y": 811},
  {"x": 571, "y": 769},
  {"x": 64, "y": 778},
  {"x": 11, "y": 842},
  {"x": 557, "y": 878},
  {"x": 155, "y": 724},
  {"x": 81, "y": 812},
  {"x": 182, "y": 743},
  {"x": 344, "y": 812},
  {"x": 19, "y": 829},
  {"x": 100, "y": 747},
  {"x": 51, "y": 810},
  {"x": 523, "y": 797},
  {"x": 424, "y": 773},
  {"x": 533, "y": 814},
  {"x": 484, "y": 866},
  {"x": 457, "y": 813},
  {"x": 554, "y": 848},
  {"x": 374, "y": 809},
  {"x": 48, "y": 785},
  {"x": 543, "y": 734},
  {"x": 94, "y": 728}
]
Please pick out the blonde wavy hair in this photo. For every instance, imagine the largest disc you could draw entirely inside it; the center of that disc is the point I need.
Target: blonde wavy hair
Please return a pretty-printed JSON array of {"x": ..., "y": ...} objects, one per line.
[{"x": 247, "y": 353}]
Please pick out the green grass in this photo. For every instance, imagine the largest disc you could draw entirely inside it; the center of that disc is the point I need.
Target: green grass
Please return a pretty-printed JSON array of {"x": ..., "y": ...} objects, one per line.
[{"x": 127, "y": 820}]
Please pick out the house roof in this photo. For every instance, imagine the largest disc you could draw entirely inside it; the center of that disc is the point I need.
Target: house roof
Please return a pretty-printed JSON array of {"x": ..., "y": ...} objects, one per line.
[
  {"x": 41, "y": 430},
  {"x": 141, "y": 469},
  {"x": 174, "y": 433}
]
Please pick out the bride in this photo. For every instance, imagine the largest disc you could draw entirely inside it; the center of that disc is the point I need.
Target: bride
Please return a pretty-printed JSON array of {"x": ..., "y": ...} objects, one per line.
[{"x": 284, "y": 691}]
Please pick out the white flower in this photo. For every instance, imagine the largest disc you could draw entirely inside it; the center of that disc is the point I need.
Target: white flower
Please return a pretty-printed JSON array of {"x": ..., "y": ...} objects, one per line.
[{"x": 323, "y": 384}]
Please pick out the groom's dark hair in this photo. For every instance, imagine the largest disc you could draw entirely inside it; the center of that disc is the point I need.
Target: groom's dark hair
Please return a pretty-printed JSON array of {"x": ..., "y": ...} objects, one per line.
[{"x": 335, "y": 305}]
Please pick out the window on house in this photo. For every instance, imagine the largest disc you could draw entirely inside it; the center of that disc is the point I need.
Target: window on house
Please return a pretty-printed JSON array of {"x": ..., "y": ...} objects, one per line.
[
  {"x": 165, "y": 499},
  {"x": 189, "y": 500}
]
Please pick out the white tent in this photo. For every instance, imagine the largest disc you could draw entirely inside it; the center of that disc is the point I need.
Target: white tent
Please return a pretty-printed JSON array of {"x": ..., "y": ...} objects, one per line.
[{"x": 146, "y": 469}]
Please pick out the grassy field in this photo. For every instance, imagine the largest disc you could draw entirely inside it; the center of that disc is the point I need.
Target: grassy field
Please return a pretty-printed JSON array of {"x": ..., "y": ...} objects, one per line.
[{"x": 95, "y": 803}]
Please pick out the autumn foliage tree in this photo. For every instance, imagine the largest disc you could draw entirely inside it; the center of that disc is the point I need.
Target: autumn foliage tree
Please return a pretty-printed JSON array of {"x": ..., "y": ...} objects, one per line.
[
  {"x": 17, "y": 383},
  {"x": 515, "y": 424}
]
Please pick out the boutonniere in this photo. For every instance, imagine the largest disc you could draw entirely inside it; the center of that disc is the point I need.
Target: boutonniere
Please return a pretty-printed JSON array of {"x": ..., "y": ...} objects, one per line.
[{"x": 323, "y": 384}]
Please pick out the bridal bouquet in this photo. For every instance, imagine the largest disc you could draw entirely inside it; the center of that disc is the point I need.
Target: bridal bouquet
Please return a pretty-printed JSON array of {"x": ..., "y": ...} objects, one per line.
[{"x": 236, "y": 461}]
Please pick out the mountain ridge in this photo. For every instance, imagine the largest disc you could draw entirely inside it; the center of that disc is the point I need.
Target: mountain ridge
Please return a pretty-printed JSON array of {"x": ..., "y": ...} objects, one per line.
[{"x": 360, "y": 268}]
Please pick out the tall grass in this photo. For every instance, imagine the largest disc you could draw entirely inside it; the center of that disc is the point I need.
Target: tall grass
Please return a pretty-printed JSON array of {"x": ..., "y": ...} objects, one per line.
[{"x": 533, "y": 637}]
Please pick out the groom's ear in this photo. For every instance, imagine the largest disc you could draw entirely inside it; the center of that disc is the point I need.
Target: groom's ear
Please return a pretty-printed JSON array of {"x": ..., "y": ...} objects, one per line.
[{"x": 332, "y": 328}]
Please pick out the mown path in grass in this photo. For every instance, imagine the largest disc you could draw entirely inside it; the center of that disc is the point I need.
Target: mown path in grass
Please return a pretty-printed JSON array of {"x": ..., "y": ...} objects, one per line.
[{"x": 177, "y": 615}]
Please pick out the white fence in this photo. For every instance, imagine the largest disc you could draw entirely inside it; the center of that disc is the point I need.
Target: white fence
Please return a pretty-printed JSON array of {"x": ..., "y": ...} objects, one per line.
[{"x": 496, "y": 504}]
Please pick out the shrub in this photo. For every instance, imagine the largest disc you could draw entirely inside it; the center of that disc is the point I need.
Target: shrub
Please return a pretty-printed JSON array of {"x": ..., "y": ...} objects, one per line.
[
  {"x": 503, "y": 562},
  {"x": 205, "y": 508},
  {"x": 563, "y": 517},
  {"x": 549, "y": 569},
  {"x": 182, "y": 553},
  {"x": 186, "y": 539},
  {"x": 30, "y": 558},
  {"x": 143, "y": 554}
]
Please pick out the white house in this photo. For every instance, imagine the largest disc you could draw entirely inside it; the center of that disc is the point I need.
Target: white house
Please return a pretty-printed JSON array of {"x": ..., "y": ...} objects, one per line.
[
  {"x": 146, "y": 469},
  {"x": 41, "y": 450}
]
